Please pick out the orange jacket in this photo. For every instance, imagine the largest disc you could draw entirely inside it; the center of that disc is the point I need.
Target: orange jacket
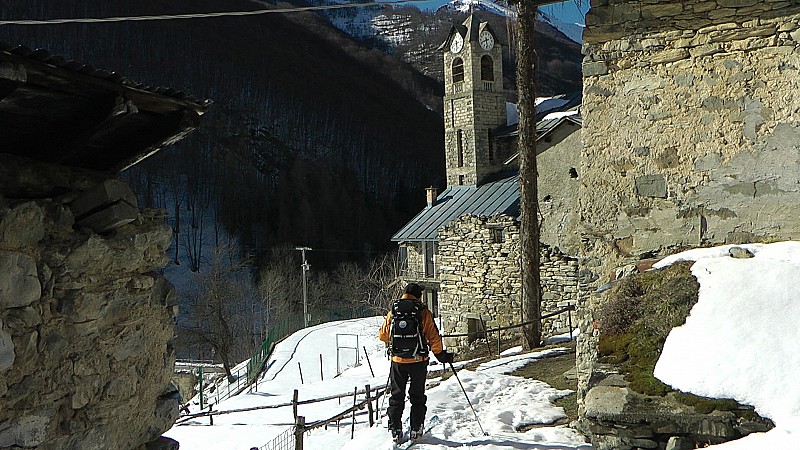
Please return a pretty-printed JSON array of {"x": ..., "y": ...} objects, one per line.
[{"x": 429, "y": 330}]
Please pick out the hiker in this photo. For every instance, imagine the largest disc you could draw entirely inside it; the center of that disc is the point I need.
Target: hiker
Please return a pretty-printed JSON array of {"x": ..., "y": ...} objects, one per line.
[{"x": 410, "y": 333}]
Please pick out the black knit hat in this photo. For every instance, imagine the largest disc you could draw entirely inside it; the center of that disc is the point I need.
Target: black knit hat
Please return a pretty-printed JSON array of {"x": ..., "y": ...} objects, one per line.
[{"x": 414, "y": 289}]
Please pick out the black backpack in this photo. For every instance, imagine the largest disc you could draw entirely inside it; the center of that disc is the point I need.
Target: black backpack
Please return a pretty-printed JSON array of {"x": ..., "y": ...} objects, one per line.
[{"x": 407, "y": 340}]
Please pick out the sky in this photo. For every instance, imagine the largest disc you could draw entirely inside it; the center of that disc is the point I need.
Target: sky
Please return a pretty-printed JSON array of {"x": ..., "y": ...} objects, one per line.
[{"x": 739, "y": 341}]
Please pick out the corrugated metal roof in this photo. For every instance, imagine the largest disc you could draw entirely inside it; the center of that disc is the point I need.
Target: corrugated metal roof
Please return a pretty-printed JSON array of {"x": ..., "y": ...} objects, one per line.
[{"x": 485, "y": 200}]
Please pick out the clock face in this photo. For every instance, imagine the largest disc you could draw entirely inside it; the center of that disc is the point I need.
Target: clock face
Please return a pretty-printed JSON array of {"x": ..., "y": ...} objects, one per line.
[
  {"x": 486, "y": 39},
  {"x": 457, "y": 43}
]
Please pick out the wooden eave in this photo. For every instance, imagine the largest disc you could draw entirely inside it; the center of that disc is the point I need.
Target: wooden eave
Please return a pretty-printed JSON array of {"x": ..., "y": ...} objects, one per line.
[{"x": 63, "y": 112}]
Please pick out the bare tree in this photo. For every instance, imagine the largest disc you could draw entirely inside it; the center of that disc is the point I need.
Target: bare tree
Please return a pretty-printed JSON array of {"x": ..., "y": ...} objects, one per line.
[
  {"x": 220, "y": 308},
  {"x": 383, "y": 282},
  {"x": 526, "y": 91},
  {"x": 280, "y": 283}
]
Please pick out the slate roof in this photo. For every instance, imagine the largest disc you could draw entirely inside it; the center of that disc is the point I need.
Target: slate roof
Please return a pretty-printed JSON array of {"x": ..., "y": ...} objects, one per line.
[
  {"x": 60, "y": 111},
  {"x": 486, "y": 200}
]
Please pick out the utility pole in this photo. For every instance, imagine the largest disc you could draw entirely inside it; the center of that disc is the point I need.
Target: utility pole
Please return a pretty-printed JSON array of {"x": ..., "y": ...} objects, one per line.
[{"x": 306, "y": 267}]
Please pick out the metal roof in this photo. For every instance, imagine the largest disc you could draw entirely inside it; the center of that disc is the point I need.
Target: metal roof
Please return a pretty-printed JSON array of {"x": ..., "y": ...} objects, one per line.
[{"x": 486, "y": 200}]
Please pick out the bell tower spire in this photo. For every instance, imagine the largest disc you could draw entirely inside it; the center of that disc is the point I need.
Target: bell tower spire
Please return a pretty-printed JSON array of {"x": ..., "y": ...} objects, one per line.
[{"x": 474, "y": 102}]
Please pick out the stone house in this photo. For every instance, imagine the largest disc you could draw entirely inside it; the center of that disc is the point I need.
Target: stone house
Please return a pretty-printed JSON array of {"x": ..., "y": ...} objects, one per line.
[
  {"x": 690, "y": 138},
  {"x": 464, "y": 246},
  {"x": 86, "y": 320}
]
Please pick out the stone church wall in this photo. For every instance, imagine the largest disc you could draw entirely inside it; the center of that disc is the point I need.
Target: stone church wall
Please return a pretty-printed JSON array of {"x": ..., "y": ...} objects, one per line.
[
  {"x": 690, "y": 132},
  {"x": 85, "y": 321},
  {"x": 480, "y": 278}
]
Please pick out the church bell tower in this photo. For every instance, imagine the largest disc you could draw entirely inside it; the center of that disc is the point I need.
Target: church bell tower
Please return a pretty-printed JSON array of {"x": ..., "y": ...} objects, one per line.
[{"x": 474, "y": 103}]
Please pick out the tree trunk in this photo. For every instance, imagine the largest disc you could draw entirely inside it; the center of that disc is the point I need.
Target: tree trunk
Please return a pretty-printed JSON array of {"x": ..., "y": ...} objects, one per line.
[{"x": 526, "y": 84}]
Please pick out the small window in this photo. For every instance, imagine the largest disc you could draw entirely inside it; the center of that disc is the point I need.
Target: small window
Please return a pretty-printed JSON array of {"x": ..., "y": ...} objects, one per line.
[
  {"x": 458, "y": 70},
  {"x": 402, "y": 256},
  {"x": 460, "y": 147},
  {"x": 487, "y": 68},
  {"x": 491, "y": 148},
  {"x": 475, "y": 330},
  {"x": 498, "y": 235},
  {"x": 573, "y": 173},
  {"x": 430, "y": 259},
  {"x": 461, "y": 180}
]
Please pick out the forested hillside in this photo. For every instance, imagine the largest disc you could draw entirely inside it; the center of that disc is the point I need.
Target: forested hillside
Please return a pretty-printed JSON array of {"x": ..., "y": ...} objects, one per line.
[{"x": 309, "y": 141}]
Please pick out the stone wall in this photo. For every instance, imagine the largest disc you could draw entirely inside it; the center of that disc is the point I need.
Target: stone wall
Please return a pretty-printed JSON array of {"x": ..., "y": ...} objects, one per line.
[
  {"x": 479, "y": 275},
  {"x": 690, "y": 133},
  {"x": 85, "y": 320}
]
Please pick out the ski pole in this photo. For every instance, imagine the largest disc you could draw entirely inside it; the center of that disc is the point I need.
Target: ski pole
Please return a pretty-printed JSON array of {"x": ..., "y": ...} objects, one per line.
[
  {"x": 386, "y": 390},
  {"x": 467, "y": 397}
]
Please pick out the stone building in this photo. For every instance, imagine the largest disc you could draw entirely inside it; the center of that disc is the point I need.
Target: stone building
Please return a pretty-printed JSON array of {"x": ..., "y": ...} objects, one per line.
[
  {"x": 86, "y": 320},
  {"x": 691, "y": 138},
  {"x": 464, "y": 246}
]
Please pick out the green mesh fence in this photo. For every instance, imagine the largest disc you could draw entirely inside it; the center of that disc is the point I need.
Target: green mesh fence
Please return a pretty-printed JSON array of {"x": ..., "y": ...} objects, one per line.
[{"x": 288, "y": 326}]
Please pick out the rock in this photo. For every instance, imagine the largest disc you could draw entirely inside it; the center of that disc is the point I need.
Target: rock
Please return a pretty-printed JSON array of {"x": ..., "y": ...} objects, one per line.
[
  {"x": 162, "y": 443},
  {"x": 602, "y": 401},
  {"x": 22, "y": 226},
  {"x": 6, "y": 350},
  {"x": 679, "y": 443},
  {"x": 19, "y": 280},
  {"x": 26, "y": 431},
  {"x": 740, "y": 253}
]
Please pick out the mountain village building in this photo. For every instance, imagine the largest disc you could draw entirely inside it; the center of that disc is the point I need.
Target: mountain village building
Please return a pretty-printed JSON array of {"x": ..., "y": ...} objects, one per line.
[
  {"x": 690, "y": 139},
  {"x": 86, "y": 319},
  {"x": 464, "y": 246}
]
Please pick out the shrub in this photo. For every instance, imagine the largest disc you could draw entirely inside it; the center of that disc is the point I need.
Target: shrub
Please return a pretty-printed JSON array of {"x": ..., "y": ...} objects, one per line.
[{"x": 638, "y": 315}]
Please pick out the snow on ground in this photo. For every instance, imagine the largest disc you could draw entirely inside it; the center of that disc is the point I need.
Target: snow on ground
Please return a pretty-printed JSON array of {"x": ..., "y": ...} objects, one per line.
[
  {"x": 740, "y": 339},
  {"x": 502, "y": 402}
]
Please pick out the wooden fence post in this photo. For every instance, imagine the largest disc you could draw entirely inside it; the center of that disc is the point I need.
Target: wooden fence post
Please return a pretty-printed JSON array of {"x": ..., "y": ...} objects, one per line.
[
  {"x": 368, "y": 362},
  {"x": 299, "y": 429},
  {"x": 294, "y": 403},
  {"x": 321, "y": 375},
  {"x": 355, "y": 402},
  {"x": 300, "y": 369},
  {"x": 369, "y": 406}
]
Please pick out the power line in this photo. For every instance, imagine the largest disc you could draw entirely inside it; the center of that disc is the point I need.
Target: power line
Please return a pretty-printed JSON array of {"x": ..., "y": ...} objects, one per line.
[{"x": 202, "y": 15}]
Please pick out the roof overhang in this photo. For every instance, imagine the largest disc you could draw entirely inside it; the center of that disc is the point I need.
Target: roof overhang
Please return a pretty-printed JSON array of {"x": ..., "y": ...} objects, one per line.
[{"x": 63, "y": 112}]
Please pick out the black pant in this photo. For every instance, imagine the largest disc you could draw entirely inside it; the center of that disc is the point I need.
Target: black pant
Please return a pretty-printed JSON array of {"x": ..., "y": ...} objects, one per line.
[{"x": 399, "y": 375}]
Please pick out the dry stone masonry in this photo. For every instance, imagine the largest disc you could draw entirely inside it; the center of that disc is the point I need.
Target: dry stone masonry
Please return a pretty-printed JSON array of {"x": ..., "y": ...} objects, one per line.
[
  {"x": 86, "y": 320},
  {"x": 480, "y": 279},
  {"x": 691, "y": 134}
]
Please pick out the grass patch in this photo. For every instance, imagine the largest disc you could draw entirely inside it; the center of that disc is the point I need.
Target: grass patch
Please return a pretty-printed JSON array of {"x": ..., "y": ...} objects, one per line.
[
  {"x": 551, "y": 370},
  {"x": 638, "y": 315}
]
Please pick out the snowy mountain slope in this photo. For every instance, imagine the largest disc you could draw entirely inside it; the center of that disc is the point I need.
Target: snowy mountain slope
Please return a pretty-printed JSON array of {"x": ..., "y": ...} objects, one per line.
[{"x": 413, "y": 35}]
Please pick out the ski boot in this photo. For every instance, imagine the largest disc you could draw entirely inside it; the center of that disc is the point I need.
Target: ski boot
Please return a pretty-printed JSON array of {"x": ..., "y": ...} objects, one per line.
[
  {"x": 397, "y": 434},
  {"x": 417, "y": 433}
]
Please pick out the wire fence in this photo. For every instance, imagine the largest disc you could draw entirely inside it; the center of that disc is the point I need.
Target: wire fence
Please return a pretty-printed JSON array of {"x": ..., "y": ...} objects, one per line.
[
  {"x": 283, "y": 441},
  {"x": 245, "y": 375}
]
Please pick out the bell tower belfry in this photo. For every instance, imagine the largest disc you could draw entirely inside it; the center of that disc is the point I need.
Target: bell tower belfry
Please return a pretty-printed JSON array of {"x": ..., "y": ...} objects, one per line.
[{"x": 474, "y": 102}]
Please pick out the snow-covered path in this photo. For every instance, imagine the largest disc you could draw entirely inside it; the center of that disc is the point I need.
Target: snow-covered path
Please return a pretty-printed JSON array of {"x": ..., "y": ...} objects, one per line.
[{"x": 502, "y": 402}]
